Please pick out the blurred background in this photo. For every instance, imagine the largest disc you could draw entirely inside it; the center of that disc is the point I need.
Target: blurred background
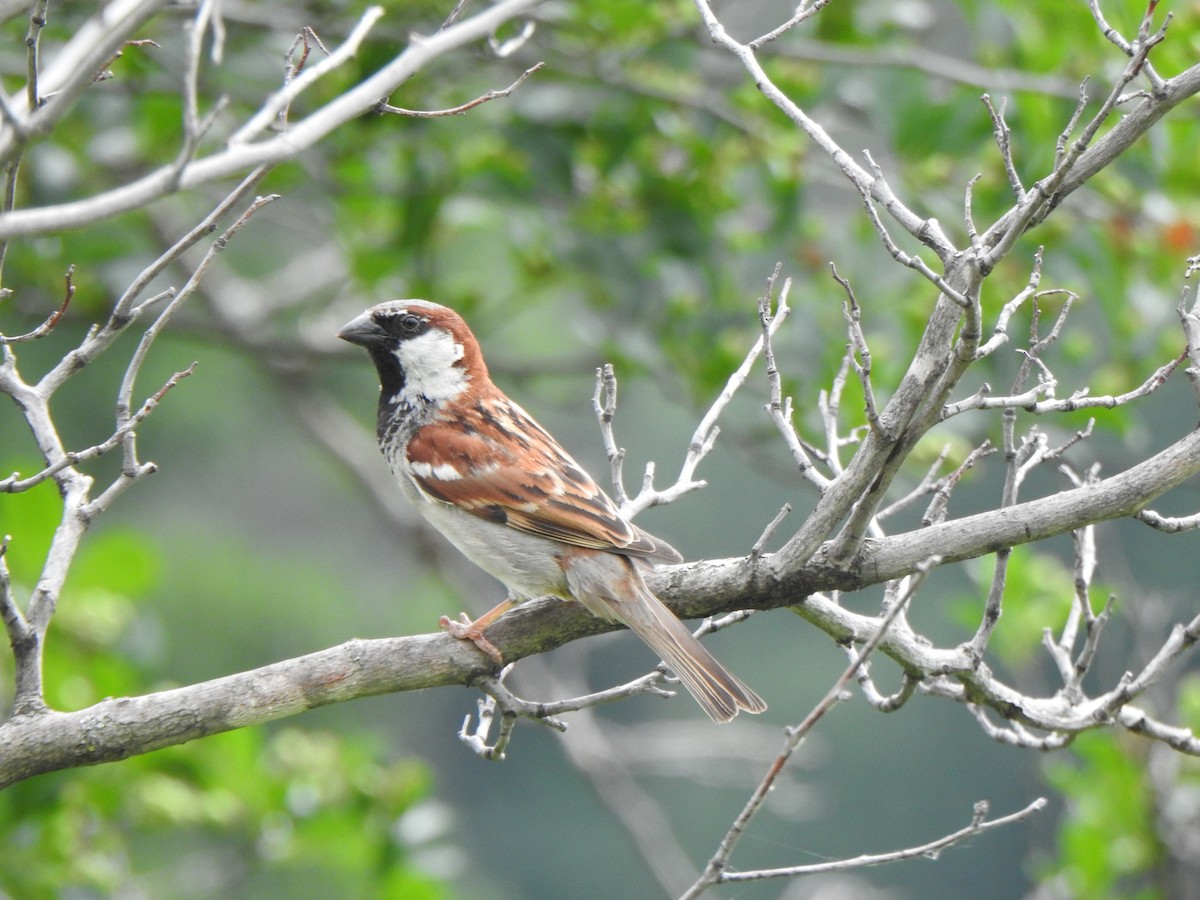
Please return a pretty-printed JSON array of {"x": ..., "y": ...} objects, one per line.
[{"x": 627, "y": 205}]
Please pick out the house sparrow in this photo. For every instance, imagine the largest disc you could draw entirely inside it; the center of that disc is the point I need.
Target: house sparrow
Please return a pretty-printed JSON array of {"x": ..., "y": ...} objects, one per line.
[{"x": 504, "y": 492}]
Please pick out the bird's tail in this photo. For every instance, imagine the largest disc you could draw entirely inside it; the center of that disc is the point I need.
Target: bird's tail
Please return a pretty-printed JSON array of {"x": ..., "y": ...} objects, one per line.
[{"x": 719, "y": 692}]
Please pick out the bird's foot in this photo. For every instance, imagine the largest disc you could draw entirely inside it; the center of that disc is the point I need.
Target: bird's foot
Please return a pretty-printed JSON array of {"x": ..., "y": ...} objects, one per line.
[{"x": 466, "y": 630}]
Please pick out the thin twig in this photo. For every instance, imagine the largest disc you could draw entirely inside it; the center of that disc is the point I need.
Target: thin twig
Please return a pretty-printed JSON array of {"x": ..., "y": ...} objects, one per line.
[
  {"x": 293, "y": 67},
  {"x": 1079, "y": 400},
  {"x": 1044, "y": 193},
  {"x": 969, "y": 215},
  {"x": 604, "y": 403},
  {"x": 778, "y": 409},
  {"x": 757, "y": 550},
  {"x": 1114, "y": 37},
  {"x": 132, "y": 469},
  {"x": 37, "y": 21},
  {"x": 828, "y": 406},
  {"x": 978, "y": 825},
  {"x": 858, "y": 349},
  {"x": 128, "y": 308},
  {"x": 191, "y": 78},
  {"x": 705, "y": 435},
  {"x": 883, "y": 703},
  {"x": 716, "y": 871},
  {"x": 1182, "y": 639},
  {"x": 1060, "y": 146},
  {"x": 804, "y": 11},
  {"x": 941, "y": 496},
  {"x": 1014, "y": 734},
  {"x": 711, "y": 625},
  {"x": 1000, "y": 331},
  {"x": 104, "y": 73},
  {"x": 928, "y": 484},
  {"x": 1189, "y": 320},
  {"x": 281, "y": 100},
  {"x": 51, "y": 320},
  {"x": 1004, "y": 143},
  {"x": 1169, "y": 524},
  {"x": 1176, "y": 737},
  {"x": 15, "y": 485},
  {"x": 506, "y": 48},
  {"x": 454, "y": 14},
  {"x": 914, "y": 262},
  {"x": 874, "y": 189},
  {"x": 385, "y": 107},
  {"x": 14, "y": 621},
  {"x": 499, "y": 700},
  {"x": 7, "y": 201}
]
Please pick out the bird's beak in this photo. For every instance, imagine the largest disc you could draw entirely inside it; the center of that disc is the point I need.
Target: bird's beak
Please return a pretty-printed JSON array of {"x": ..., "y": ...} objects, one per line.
[{"x": 363, "y": 331}]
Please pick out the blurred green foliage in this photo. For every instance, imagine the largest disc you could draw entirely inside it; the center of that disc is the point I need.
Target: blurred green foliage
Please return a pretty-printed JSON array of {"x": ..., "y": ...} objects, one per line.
[
  {"x": 248, "y": 814},
  {"x": 1039, "y": 588},
  {"x": 626, "y": 204},
  {"x": 1108, "y": 844},
  {"x": 251, "y": 813}
]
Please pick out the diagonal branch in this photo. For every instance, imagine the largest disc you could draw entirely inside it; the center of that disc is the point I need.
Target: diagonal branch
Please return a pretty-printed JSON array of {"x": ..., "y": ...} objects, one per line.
[
  {"x": 1131, "y": 126},
  {"x": 72, "y": 72},
  {"x": 277, "y": 105},
  {"x": 15, "y": 485},
  {"x": 717, "y": 867},
  {"x": 876, "y": 189}
]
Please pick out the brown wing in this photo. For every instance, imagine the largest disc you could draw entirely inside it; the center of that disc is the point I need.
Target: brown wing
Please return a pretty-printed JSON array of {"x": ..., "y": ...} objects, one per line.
[{"x": 497, "y": 463}]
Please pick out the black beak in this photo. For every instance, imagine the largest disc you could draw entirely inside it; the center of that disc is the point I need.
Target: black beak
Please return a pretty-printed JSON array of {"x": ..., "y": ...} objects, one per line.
[{"x": 364, "y": 331}]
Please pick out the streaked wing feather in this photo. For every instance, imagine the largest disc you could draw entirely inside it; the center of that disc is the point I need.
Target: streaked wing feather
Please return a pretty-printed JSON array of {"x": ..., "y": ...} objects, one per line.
[{"x": 533, "y": 486}]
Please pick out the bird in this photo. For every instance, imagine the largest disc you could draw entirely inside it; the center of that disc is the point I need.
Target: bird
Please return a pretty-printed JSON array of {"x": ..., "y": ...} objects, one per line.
[{"x": 512, "y": 500}]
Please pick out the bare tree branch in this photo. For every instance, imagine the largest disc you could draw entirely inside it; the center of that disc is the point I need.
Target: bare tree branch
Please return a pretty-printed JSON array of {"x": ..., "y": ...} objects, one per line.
[
  {"x": 39, "y": 740},
  {"x": 978, "y": 825},
  {"x": 463, "y": 107},
  {"x": 842, "y": 546},
  {"x": 238, "y": 157},
  {"x": 718, "y": 864},
  {"x": 872, "y": 188}
]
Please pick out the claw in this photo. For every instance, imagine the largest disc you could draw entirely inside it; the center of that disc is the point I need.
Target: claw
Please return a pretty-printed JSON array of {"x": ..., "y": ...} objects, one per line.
[{"x": 466, "y": 630}]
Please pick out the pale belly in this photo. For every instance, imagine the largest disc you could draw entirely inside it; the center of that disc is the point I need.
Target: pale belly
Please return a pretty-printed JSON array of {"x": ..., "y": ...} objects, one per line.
[{"x": 525, "y": 563}]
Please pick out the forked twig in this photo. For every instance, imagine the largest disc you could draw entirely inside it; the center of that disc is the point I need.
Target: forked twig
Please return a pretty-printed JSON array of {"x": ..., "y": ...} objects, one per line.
[
  {"x": 705, "y": 435},
  {"x": 15, "y": 485},
  {"x": 1004, "y": 143},
  {"x": 779, "y": 409},
  {"x": 858, "y": 353},
  {"x": 500, "y": 702},
  {"x": 604, "y": 403}
]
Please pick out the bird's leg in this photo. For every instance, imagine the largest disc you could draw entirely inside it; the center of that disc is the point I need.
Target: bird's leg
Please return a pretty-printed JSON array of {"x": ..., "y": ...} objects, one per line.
[{"x": 466, "y": 630}]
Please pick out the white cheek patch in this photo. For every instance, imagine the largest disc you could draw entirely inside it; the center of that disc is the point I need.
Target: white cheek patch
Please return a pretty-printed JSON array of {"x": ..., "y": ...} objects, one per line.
[{"x": 429, "y": 367}]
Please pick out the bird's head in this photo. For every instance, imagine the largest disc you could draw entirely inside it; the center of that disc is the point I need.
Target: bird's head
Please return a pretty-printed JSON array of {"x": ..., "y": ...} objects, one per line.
[{"x": 424, "y": 352}]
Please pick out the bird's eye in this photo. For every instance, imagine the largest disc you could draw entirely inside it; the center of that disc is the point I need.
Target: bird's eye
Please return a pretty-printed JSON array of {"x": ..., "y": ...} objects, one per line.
[{"x": 410, "y": 324}]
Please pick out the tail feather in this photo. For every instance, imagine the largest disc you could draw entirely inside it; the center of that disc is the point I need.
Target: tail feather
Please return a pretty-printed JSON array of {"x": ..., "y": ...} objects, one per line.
[{"x": 718, "y": 691}]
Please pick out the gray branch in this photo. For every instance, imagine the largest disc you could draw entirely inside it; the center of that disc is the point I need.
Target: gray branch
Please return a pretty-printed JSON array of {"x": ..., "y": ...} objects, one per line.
[{"x": 43, "y": 741}]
